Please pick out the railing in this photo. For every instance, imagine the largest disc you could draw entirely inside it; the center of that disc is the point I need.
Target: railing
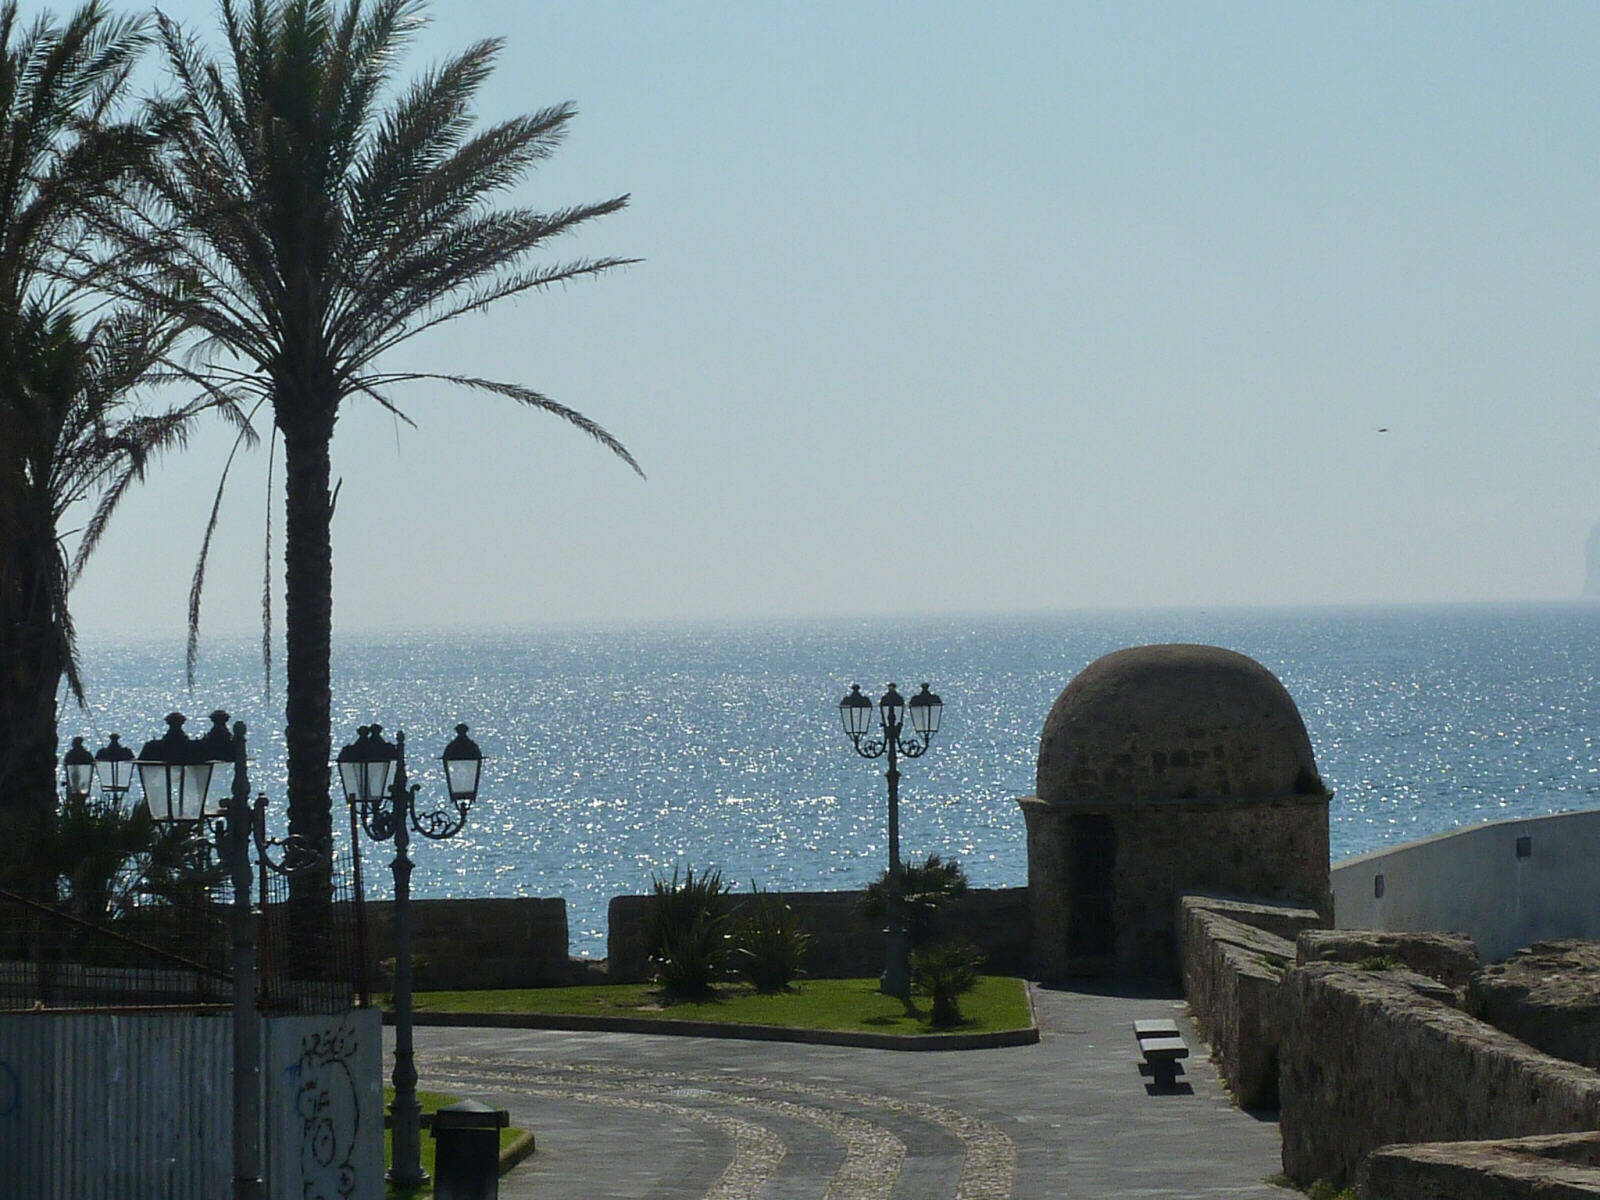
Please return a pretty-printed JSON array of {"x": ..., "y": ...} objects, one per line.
[
  {"x": 53, "y": 959},
  {"x": 177, "y": 952},
  {"x": 308, "y": 946}
]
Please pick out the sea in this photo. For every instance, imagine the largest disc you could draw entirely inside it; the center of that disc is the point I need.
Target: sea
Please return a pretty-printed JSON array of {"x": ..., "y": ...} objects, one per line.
[{"x": 620, "y": 754}]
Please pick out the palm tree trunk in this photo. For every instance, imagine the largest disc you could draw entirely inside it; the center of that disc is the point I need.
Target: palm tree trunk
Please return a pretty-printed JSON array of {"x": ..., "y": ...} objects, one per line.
[
  {"x": 308, "y": 636},
  {"x": 30, "y": 677}
]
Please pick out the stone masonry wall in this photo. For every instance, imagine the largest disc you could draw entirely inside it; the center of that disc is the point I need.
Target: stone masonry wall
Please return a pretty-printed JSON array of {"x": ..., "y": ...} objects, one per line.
[
  {"x": 1366, "y": 1061},
  {"x": 1274, "y": 848},
  {"x": 846, "y": 945},
  {"x": 465, "y": 944},
  {"x": 1450, "y": 958},
  {"x": 1548, "y": 995},
  {"x": 1564, "y": 1166},
  {"x": 1233, "y": 973}
]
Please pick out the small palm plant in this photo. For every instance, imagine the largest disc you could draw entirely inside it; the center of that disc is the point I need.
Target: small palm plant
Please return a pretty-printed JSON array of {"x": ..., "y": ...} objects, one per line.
[
  {"x": 946, "y": 972},
  {"x": 687, "y": 933},
  {"x": 926, "y": 889},
  {"x": 770, "y": 943}
]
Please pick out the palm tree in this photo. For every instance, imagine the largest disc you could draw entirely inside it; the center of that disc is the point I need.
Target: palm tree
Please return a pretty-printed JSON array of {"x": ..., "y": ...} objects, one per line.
[
  {"x": 309, "y": 217},
  {"x": 66, "y": 429}
]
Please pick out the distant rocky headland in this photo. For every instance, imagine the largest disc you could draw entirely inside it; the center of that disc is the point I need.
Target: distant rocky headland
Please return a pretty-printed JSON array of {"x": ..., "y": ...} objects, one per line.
[{"x": 1591, "y": 558}]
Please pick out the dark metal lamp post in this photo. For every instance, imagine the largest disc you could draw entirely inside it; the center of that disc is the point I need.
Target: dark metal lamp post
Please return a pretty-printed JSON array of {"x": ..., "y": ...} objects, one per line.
[
  {"x": 176, "y": 773},
  {"x": 373, "y": 773},
  {"x": 855, "y": 710}
]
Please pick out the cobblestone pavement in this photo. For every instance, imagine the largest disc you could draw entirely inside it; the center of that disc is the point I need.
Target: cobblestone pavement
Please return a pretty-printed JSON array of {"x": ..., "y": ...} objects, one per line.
[{"x": 666, "y": 1118}]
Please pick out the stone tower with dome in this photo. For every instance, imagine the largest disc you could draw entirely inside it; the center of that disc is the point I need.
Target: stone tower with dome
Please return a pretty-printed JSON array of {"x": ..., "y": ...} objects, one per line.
[{"x": 1165, "y": 770}]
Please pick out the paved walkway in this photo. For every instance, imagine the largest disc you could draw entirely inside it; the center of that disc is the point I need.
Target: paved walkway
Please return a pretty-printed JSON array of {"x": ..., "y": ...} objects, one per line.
[{"x": 636, "y": 1116}]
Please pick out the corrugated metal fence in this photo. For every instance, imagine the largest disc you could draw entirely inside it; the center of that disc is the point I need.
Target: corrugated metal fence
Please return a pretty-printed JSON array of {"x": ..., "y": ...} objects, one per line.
[
  {"x": 100, "y": 1106},
  {"x": 110, "y": 1107}
]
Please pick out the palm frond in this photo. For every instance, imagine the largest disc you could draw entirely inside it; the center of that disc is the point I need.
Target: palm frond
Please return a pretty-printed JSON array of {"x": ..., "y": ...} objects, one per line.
[
  {"x": 191, "y": 655},
  {"x": 521, "y": 395}
]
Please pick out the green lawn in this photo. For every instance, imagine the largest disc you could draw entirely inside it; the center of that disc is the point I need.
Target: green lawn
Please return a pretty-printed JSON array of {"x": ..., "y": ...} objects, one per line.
[
  {"x": 430, "y": 1102},
  {"x": 997, "y": 1003}
]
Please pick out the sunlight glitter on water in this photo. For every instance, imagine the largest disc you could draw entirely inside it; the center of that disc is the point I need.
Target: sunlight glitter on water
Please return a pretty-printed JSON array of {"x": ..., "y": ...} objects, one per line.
[{"x": 613, "y": 755}]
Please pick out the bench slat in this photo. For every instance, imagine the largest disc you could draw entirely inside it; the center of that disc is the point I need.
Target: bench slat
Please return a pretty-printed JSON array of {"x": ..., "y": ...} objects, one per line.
[
  {"x": 1165, "y": 1048},
  {"x": 1155, "y": 1029}
]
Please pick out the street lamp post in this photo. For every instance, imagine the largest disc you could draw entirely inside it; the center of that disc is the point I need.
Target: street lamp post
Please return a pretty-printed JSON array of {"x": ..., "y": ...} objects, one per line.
[
  {"x": 176, "y": 773},
  {"x": 855, "y": 710},
  {"x": 373, "y": 772}
]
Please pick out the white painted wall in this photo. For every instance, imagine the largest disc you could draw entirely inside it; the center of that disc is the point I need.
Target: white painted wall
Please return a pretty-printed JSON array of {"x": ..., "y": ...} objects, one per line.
[
  {"x": 1472, "y": 881},
  {"x": 323, "y": 1079}
]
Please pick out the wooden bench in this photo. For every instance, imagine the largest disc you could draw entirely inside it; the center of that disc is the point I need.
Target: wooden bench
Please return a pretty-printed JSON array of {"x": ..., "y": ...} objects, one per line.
[{"x": 1162, "y": 1045}]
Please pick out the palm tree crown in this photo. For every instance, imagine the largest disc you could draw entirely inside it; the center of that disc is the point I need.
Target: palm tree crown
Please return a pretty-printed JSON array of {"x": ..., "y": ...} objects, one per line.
[
  {"x": 310, "y": 216},
  {"x": 66, "y": 430}
]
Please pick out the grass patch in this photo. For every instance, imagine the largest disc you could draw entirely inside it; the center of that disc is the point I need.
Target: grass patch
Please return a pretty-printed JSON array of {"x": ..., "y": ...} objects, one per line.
[
  {"x": 997, "y": 1003},
  {"x": 431, "y": 1102}
]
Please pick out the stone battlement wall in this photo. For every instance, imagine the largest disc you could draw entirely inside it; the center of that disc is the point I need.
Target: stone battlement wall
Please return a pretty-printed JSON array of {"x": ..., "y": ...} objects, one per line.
[
  {"x": 1537, "y": 1168},
  {"x": 1370, "y": 1059},
  {"x": 467, "y": 944},
  {"x": 1234, "y": 956}
]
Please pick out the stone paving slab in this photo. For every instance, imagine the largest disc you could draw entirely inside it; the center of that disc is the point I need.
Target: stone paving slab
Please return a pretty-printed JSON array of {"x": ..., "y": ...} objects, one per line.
[{"x": 630, "y": 1116}]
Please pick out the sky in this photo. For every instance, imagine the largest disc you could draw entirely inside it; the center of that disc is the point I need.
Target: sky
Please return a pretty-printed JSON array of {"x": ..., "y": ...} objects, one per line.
[{"x": 957, "y": 308}]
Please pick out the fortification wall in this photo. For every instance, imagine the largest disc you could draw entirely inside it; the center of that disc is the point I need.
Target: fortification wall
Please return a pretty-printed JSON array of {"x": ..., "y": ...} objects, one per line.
[
  {"x": 1234, "y": 956},
  {"x": 1368, "y": 1060},
  {"x": 1564, "y": 1165},
  {"x": 468, "y": 944},
  {"x": 523, "y": 942}
]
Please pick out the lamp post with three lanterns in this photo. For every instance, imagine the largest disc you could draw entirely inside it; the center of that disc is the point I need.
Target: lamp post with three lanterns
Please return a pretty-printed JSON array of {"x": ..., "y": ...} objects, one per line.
[
  {"x": 373, "y": 773},
  {"x": 855, "y": 710},
  {"x": 176, "y": 773}
]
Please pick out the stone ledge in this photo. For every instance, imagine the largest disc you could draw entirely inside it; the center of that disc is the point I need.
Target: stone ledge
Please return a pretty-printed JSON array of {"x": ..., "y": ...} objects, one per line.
[
  {"x": 1563, "y": 1166},
  {"x": 1548, "y": 995},
  {"x": 1451, "y": 958}
]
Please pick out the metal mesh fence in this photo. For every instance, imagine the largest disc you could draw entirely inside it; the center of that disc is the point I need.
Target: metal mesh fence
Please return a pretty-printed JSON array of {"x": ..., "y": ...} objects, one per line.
[
  {"x": 308, "y": 942},
  {"x": 154, "y": 955},
  {"x": 176, "y": 950}
]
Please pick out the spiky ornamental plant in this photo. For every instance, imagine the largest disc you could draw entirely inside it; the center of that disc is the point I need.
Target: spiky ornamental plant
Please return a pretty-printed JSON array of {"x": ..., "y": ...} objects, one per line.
[
  {"x": 67, "y": 428},
  {"x": 309, "y": 217}
]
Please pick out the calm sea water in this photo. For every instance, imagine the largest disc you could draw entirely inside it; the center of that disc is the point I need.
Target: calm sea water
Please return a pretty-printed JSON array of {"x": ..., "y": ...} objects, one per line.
[{"x": 617, "y": 754}]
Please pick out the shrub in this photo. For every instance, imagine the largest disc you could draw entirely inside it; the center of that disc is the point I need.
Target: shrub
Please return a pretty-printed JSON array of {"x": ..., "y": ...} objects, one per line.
[
  {"x": 770, "y": 943},
  {"x": 926, "y": 888},
  {"x": 945, "y": 972},
  {"x": 94, "y": 852},
  {"x": 687, "y": 932}
]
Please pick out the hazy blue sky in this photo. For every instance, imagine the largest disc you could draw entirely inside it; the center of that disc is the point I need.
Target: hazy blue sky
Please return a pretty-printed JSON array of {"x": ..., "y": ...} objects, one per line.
[{"x": 1012, "y": 306}]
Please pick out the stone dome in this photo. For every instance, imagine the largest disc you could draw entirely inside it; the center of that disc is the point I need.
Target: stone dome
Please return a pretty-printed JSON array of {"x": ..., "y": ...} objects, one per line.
[{"x": 1174, "y": 722}]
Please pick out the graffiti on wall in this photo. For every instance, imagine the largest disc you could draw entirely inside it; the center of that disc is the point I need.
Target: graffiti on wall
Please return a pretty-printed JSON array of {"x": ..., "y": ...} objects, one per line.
[
  {"x": 326, "y": 1124},
  {"x": 327, "y": 1102}
]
